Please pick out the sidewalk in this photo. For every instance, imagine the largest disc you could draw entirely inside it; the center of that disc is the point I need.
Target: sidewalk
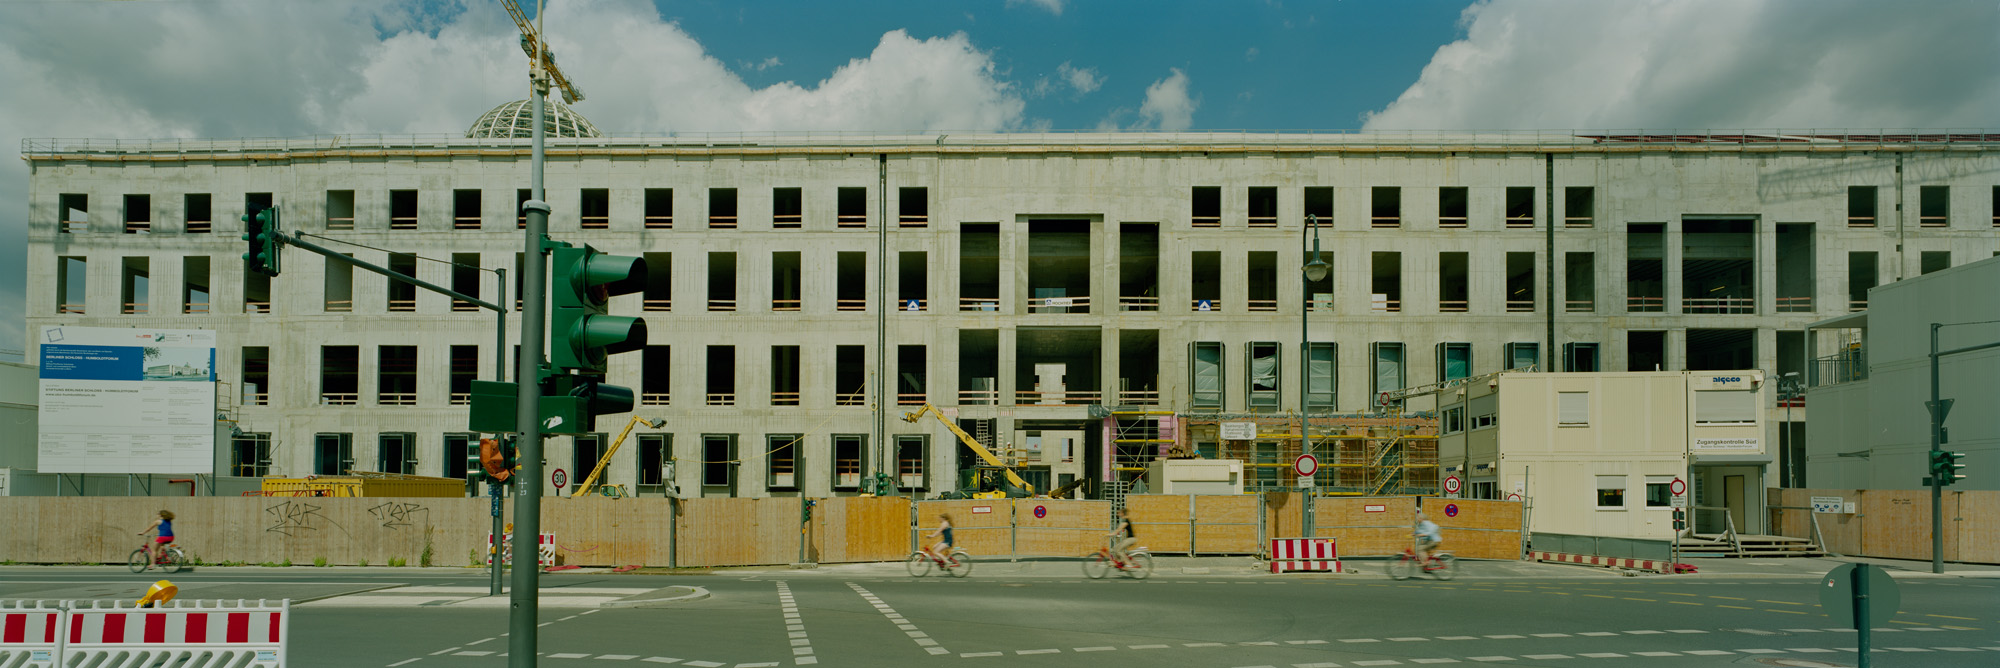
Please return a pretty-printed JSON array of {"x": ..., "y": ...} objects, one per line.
[{"x": 1198, "y": 568}]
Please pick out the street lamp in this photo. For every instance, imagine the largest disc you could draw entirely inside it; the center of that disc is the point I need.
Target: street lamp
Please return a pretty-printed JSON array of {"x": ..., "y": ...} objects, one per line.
[{"x": 1314, "y": 271}]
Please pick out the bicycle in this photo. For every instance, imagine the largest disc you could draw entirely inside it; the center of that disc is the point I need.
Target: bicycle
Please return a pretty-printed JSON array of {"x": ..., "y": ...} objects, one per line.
[
  {"x": 958, "y": 563},
  {"x": 1137, "y": 564},
  {"x": 170, "y": 559},
  {"x": 1442, "y": 565}
]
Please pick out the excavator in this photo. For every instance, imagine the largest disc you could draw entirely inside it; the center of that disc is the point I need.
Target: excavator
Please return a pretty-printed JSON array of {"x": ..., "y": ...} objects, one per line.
[{"x": 1013, "y": 487}]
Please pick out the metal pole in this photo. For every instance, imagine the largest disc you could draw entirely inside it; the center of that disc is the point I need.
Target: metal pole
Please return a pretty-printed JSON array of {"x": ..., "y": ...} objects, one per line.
[
  {"x": 500, "y": 329},
  {"x": 522, "y": 641},
  {"x": 882, "y": 379},
  {"x": 1305, "y": 370},
  {"x": 1937, "y": 481},
  {"x": 495, "y": 490},
  {"x": 1859, "y": 579}
]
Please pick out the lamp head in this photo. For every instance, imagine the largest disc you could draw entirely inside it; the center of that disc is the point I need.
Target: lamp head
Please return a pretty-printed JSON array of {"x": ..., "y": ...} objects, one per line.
[{"x": 1317, "y": 269}]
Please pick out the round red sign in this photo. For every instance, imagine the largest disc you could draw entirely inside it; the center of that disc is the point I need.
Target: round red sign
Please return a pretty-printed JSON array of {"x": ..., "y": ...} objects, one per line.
[
  {"x": 559, "y": 478},
  {"x": 1041, "y": 512},
  {"x": 1451, "y": 510},
  {"x": 1306, "y": 465},
  {"x": 1678, "y": 487},
  {"x": 1451, "y": 485}
]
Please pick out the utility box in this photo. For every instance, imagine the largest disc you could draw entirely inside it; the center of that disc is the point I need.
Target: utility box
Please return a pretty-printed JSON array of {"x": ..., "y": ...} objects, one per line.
[
  {"x": 1196, "y": 476},
  {"x": 376, "y": 485}
]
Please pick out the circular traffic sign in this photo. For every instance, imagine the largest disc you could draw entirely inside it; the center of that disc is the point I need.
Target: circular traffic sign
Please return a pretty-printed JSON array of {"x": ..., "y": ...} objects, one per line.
[
  {"x": 1451, "y": 510},
  {"x": 1678, "y": 487},
  {"x": 1514, "y": 497},
  {"x": 1306, "y": 465},
  {"x": 1451, "y": 485},
  {"x": 1041, "y": 512},
  {"x": 560, "y": 478}
]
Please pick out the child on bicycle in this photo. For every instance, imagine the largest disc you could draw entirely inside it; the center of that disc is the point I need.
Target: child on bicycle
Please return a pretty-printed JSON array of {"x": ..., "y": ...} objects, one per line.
[
  {"x": 942, "y": 548},
  {"x": 165, "y": 526},
  {"x": 1429, "y": 537},
  {"x": 1122, "y": 538}
]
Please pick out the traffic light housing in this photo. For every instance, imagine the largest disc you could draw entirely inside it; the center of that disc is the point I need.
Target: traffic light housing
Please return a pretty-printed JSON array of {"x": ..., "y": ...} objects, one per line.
[
  {"x": 496, "y": 461},
  {"x": 260, "y": 232},
  {"x": 582, "y": 334},
  {"x": 475, "y": 466},
  {"x": 1945, "y": 466},
  {"x": 1680, "y": 519}
]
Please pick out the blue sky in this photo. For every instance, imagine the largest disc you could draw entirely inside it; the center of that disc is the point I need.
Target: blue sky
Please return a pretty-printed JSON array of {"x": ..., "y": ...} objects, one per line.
[{"x": 264, "y": 68}]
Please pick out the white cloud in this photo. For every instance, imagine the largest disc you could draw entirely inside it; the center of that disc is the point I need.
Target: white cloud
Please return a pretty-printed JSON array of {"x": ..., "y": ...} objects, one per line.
[
  {"x": 1054, "y": 6},
  {"x": 1167, "y": 105},
  {"x": 1085, "y": 80},
  {"x": 1709, "y": 64},
  {"x": 246, "y": 68},
  {"x": 1250, "y": 55},
  {"x": 764, "y": 64}
]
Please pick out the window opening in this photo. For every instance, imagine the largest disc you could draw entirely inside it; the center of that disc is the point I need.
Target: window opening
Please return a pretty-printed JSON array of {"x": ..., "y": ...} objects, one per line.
[
  {"x": 1933, "y": 261},
  {"x": 396, "y": 453},
  {"x": 256, "y": 376},
  {"x": 464, "y": 370},
  {"x": 1719, "y": 267},
  {"x": 788, "y": 208},
  {"x": 1319, "y": 205},
  {"x": 1522, "y": 355},
  {"x": 402, "y": 296},
  {"x": 847, "y": 450},
  {"x": 1058, "y": 365},
  {"x": 1454, "y": 282},
  {"x": 465, "y": 209},
  {"x": 1611, "y": 491},
  {"x": 911, "y": 376},
  {"x": 1262, "y": 281},
  {"x": 1387, "y": 366},
  {"x": 339, "y": 210},
  {"x": 784, "y": 375},
  {"x": 594, "y": 209},
  {"x": 71, "y": 280},
  {"x": 200, "y": 218},
  {"x": 1646, "y": 351},
  {"x": 333, "y": 454},
  {"x": 1521, "y": 282},
  {"x": 912, "y": 281},
  {"x": 1138, "y": 267},
  {"x": 256, "y": 293},
  {"x": 722, "y": 375},
  {"x": 718, "y": 460},
  {"x": 913, "y": 208},
  {"x": 655, "y": 462},
  {"x": 1322, "y": 375},
  {"x": 402, "y": 209},
  {"x": 1934, "y": 206},
  {"x": 1454, "y": 207},
  {"x": 1645, "y": 268},
  {"x": 658, "y": 295},
  {"x": 1579, "y": 206},
  {"x": 1573, "y": 408},
  {"x": 1263, "y": 207},
  {"x": 1721, "y": 349},
  {"x": 75, "y": 210},
  {"x": 1861, "y": 206},
  {"x": 250, "y": 455},
  {"x": 1385, "y": 207},
  {"x": 1385, "y": 285},
  {"x": 339, "y": 287},
  {"x": 138, "y": 214},
  {"x": 1579, "y": 282},
  {"x": 1263, "y": 376},
  {"x": 396, "y": 376},
  {"x": 134, "y": 286},
  {"x": 1138, "y": 367},
  {"x": 721, "y": 281},
  {"x": 851, "y": 281},
  {"x": 910, "y": 455},
  {"x": 1861, "y": 275},
  {"x": 979, "y": 267},
  {"x": 465, "y": 280},
  {"x": 784, "y": 460},
  {"x": 339, "y": 375},
  {"x": 457, "y": 448},
  {"x": 853, "y": 207},
  {"x": 787, "y": 282},
  {"x": 978, "y": 367},
  {"x": 1454, "y": 361},
  {"x": 1205, "y": 374},
  {"x": 656, "y": 376},
  {"x": 659, "y": 208},
  {"x": 1520, "y": 207},
  {"x": 1580, "y": 357},
  {"x": 1059, "y": 266},
  {"x": 850, "y": 376},
  {"x": 1206, "y": 206},
  {"x": 1206, "y": 276},
  {"x": 721, "y": 208}
]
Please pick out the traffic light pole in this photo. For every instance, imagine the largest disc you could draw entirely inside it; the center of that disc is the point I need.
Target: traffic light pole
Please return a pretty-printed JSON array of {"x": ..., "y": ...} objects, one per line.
[
  {"x": 523, "y": 639},
  {"x": 1937, "y": 479}
]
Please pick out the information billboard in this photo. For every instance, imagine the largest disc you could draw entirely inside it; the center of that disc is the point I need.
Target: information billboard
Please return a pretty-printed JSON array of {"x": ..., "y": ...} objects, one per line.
[{"x": 127, "y": 400}]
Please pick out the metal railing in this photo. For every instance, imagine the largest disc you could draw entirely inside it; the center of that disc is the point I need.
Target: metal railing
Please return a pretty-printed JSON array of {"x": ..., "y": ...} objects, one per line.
[
  {"x": 340, "y": 223},
  {"x": 339, "y": 306},
  {"x": 659, "y": 222},
  {"x": 850, "y": 304},
  {"x": 194, "y": 308},
  {"x": 1520, "y": 222},
  {"x": 1269, "y": 305},
  {"x": 1068, "y": 398},
  {"x": 250, "y": 307},
  {"x": 850, "y": 399},
  {"x": 850, "y": 221},
  {"x": 785, "y": 398},
  {"x": 1579, "y": 306},
  {"x": 912, "y": 305},
  {"x": 912, "y": 399},
  {"x": 1385, "y": 222},
  {"x": 1138, "y": 398},
  {"x": 1795, "y": 304},
  {"x": 721, "y": 399},
  {"x": 1520, "y": 305},
  {"x": 1454, "y": 305},
  {"x": 787, "y": 221},
  {"x": 1205, "y": 305},
  {"x": 1845, "y": 367},
  {"x": 1860, "y": 221},
  {"x": 655, "y": 399},
  {"x": 721, "y": 304},
  {"x": 1387, "y": 306},
  {"x": 1138, "y": 303},
  {"x": 787, "y": 304},
  {"x": 1263, "y": 221},
  {"x": 396, "y": 399},
  {"x": 656, "y": 305},
  {"x": 465, "y": 223},
  {"x": 460, "y": 305},
  {"x": 1579, "y": 221},
  {"x": 138, "y": 227},
  {"x": 978, "y": 397},
  {"x": 402, "y": 222},
  {"x": 1854, "y": 305},
  {"x": 1722, "y": 305},
  {"x": 198, "y": 227},
  {"x": 256, "y": 399},
  {"x": 461, "y": 398},
  {"x": 594, "y": 222},
  {"x": 1452, "y": 222},
  {"x": 978, "y": 304},
  {"x": 402, "y": 305},
  {"x": 1317, "y": 305},
  {"x": 1645, "y": 304},
  {"x": 339, "y": 399},
  {"x": 721, "y": 222},
  {"x": 1933, "y": 221},
  {"x": 1205, "y": 221},
  {"x": 913, "y": 221},
  {"x": 133, "y": 308},
  {"x": 69, "y": 309}
]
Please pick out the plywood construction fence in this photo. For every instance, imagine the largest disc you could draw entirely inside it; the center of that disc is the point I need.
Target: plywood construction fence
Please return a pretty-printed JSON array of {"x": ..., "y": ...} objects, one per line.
[
  {"x": 853, "y": 528},
  {"x": 1477, "y": 528},
  {"x": 1197, "y": 524},
  {"x": 1893, "y": 523},
  {"x": 734, "y": 532},
  {"x": 981, "y": 526},
  {"x": 254, "y": 530},
  {"x": 1060, "y": 527},
  {"x": 1365, "y": 526}
]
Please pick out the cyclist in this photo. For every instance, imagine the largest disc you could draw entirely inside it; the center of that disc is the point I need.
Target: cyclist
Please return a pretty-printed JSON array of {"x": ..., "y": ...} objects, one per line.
[
  {"x": 942, "y": 548},
  {"x": 1122, "y": 538},
  {"x": 165, "y": 526},
  {"x": 1428, "y": 539}
]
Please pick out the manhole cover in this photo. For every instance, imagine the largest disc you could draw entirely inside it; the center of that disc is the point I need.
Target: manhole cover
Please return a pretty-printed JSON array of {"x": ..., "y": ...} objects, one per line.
[{"x": 1794, "y": 663}]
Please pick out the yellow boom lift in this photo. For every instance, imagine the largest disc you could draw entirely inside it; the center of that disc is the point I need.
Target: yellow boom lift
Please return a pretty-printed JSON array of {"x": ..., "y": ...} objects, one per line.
[
  {"x": 984, "y": 454},
  {"x": 591, "y": 481}
]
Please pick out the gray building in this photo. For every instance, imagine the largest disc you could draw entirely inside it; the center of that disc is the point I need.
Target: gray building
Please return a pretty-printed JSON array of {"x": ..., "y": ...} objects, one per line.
[
  {"x": 1869, "y": 427},
  {"x": 1017, "y": 280}
]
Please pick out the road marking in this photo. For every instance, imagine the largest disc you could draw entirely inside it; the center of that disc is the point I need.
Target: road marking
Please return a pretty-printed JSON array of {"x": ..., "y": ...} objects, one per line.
[
  {"x": 1656, "y": 653},
  {"x": 1458, "y": 637},
  {"x": 1543, "y": 657},
  {"x": 897, "y": 619},
  {"x": 1598, "y": 634},
  {"x": 1093, "y": 649},
  {"x": 1808, "y": 650},
  {"x": 1550, "y": 635},
  {"x": 629, "y": 657},
  {"x": 971, "y": 655},
  {"x": 1684, "y": 603},
  {"x": 1795, "y": 612},
  {"x": 446, "y": 650},
  {"x": 1708, "y": 652},
  {"x": 1956, "y": 649},
  {"x": 660, "y": 659},
  {"x": 1359, "y": 640},
  {"x": 474, "y": 653},
  {"x": 1505, "y": 637},
  {"x": 481, "y": 640},
  {"x": 1685, "y": 631},
  {"x": 1732, "y": 598},
  {"x": 795, "y": 626},
  {"x": 1735, "y": 607},
  {"x": 1202, "y": 644},
  {"x": 1491, "y": 658},
  {"x": 405, "y": 662},
  {"x": 1600, "y": 596},
  {"x": 1378, "y": 662},
  {"x": 1434, "y": 660},
  {"x": 1780, "y": 602},
  {"x": 568, "y": 655},
  {"x": 751, "y": 665},
  {"x": 1037, "y": 651},
  {"x": 1147, "y": 646},
  {"x": 1648, "y": 600},
  {"x": 1601, "y": 655},
  {"x": 1407, "y": 639},
  {"x": 702, "y": 664},
  {"x": 1969, "y": 619}
]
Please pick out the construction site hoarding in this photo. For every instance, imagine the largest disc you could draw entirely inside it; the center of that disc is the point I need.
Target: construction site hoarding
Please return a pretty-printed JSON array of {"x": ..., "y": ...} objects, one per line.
[{"x": 120, "y": 400}]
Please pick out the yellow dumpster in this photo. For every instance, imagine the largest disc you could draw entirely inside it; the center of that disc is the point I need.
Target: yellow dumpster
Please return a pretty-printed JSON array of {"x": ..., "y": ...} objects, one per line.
[{"x": 365, "y": 484}]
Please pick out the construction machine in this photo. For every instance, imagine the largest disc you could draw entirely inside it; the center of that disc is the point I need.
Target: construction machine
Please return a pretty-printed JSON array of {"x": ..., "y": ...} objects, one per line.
[
  {"x": 982, "y": 487},
  {"x": 591, "y": 481}
]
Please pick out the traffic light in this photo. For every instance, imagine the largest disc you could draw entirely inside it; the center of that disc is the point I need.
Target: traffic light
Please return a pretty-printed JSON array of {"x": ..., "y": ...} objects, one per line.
[
  {"x": 1945, "y": 466},
  {"x": 496, "y": 461},
  {"x": 582, "y": 334},
  {"x": 260, "y": 231},
  {"x": 572, "y": 402},
  {"x": 1680, "y": 519},
  {"x": 475, "y": 466}
]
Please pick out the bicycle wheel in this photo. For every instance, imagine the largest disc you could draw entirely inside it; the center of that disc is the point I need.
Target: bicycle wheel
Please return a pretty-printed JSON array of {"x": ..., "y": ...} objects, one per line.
[
  {"x": 1402, "y": 567},
  {"x": 959, "y": 565},
  {"x": 1447, "y": 567},
  {"x": 1139, "y": 565},
  {"x": 1096, "y": 566},
  {"x": 177, "y": 561},
  {"x": 919, "y": 564},
  {"x": 137, "y": 562}
]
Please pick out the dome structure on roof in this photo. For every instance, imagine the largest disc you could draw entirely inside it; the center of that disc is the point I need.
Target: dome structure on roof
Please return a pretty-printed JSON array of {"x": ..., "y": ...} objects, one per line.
[{"x": 516, "y": 120}]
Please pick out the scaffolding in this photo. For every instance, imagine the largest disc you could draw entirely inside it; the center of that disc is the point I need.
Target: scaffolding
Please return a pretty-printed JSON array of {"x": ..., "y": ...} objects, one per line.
[
  {"x": 1137, "y": 439},
  {"x": 1370, "y": 454}
]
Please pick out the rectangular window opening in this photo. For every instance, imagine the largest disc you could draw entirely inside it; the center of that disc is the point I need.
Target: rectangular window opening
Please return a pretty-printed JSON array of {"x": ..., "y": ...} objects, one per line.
[
  {"x": 722, "y": 208},
  {"x": 1206, "y": 276},
  {"x": 913, "y": 207},
  {"x": 785, "y": 375},
  {"x": 1322, "y": 375},
  {"x": 721, "y": 281},
  {"x": 979, "y": 267},
  {"x": 721, "y": 376},
  {"x": 847, "y": 450},
  {"x": 1521, "y": 282},
  {"x": 196, "y": 298},
  {"x": 1579, "y": 206},
  {"x": 1454, "y": 361},
  {"x": 75, "y": 212},
  {"x": 1719, "y": 267},
  {"x": 1861, "y": 206},
  {"x": 134, "y": 286},
  {"x": 656, "y": 376},
  {"x": 1645, "y": 268},
  {"x": 402, "y": 209},
  {"x": 852, "y": 207},
  {"x": 1580, "y": 357},
  {"x": 396, "y": 453},
  {"x": 1262, "y": 209},
  {"x": 339, "y": 287},
  {"x": 1386, "y": 364},
  {"x": 788, "y": 208},
  {"x": 250, "y": 455},
  {"x": 1579, "y": 282},
  {"x": 333, "y": 454},
  {"x": 464, "y": 370},
  {"x": 912, "y": 281},
  {"x": 1205, "y": 374},
  {"x": 256, "y": 293},
  {"x": 850, "y": 376},
  {"x": 1520, "y": 207},
  {"x": 659, "y": 208},
  {"x": 1861, "y": 276},
  {"x": 402, "y": 296},
  {"x": 1521, "y": 355},
  {"x": 1262, "y": 281},
  {"x": 718, "y": 461},
  {"x": 1645, "y": 351},
  {"x": 256, "y": 376},
  {"x": 465, "y": 280},
  {"x": 851, "y": 281},
  {"x": 200, "y": 216},
  {"x": 138, "y": 214},
  {"x": 1933, "y": 261},
  {"x": 658, "y": 294},
  {"x": 1138, "y": 267},
  {"x": 1206, "y": 206},
  {"x": 1611, "y": 491},
  {"x": 910, "y": 454},
  {"x": 339, "y": 375},
  {"x": 72, "y": 281},
  {"x": 655, "y": 462},
  {"x": 1385, "y": 207},
  {"x": 1319, "y": 206},
  {"x": 594, "y": 209},
  {"x": 339, "y": 210},
  {"x": 1059, "y": 266},
  {"x": 1454, "y": 282},
  {"x": 1454, "y": 207},
  {"x": 1138, "y": 367},
  {"x": 787, "y": 281},
  {"x": 396, "y": 376},
  {"x": 1385, "y": 286},
  {"x": 1934, "y": 204},
  {"x": 979, "y": 367},
  {"x": 465, "y": 209},
  {"x": 1264, "y": 372},
  {"x": 911, "y": 376},
  {"x": 784, "y": 460}
]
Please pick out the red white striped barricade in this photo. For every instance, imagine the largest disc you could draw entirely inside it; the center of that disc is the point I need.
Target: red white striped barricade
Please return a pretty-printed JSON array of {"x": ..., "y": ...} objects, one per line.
[
  {"x": 545, "y": 553},
  {"x": 190, "y": 634},
  {"x": 30, "y": 634},
  {"x": 1304, "y": 554}
]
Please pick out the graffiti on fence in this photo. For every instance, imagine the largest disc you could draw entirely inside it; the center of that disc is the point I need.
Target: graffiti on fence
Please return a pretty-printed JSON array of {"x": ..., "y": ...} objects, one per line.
[
  {"x": 396, "y": 515},
  {"x": 291, "y": 517}
]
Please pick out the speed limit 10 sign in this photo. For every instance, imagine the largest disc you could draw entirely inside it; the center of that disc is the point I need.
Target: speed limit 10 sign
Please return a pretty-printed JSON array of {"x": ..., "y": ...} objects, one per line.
[{"x": 1451, "y": 485}]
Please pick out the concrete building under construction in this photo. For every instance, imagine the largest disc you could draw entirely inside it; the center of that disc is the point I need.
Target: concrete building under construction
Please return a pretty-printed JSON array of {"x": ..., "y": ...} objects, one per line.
[{"x": 1052, "y": 293}]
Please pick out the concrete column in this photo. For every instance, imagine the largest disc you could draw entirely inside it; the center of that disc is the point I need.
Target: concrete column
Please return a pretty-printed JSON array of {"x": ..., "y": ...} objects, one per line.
[
  {"x": 1671, "y": 274},
  {"x": 1007, "y": 366},
  {"x": 1107, "y": 365},
  {"x": 1014, "y": 259}
]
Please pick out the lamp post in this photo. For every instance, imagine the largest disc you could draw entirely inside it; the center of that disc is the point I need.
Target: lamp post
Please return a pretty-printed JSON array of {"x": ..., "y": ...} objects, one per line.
[{"x": 1315, "y": 270}]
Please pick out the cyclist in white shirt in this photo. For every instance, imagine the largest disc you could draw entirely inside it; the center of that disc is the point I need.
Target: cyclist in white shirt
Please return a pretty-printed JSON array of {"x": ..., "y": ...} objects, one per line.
[{"x": 1429, "y": 537}]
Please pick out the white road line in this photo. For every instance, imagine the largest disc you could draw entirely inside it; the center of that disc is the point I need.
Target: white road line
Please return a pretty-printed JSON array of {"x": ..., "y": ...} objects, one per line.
[
  {"x": 1359, "y": 640},
  {"x": 1037, "y": 651},
  {"x": 1656, "y": 654},
  {"x": 1202, "y": 644},
  {"x": 1808, "y": 650},
  {"x": 1955, "y": 649},
  {"x": 1377, "y": 662},
  {"x": 969, "y": 655},
  {"x": 1409, "y": 639},
  {"x": 566, "y": 655},
  {"x": 1708, "y": 652},
  {"x": 1322, "y": 664},
  {"x": 474, "y": 653},
  {"x": 1597, "y": 634},
  {"x": 703, "y": 664},
  {"x": 1458, "y": 637},
  {"x": 405, "y": 661},
  {"x": 1148, "y": 646},
  {"x": 481, "y": 640},
  {"x": 919, "y": 637},
  {"x": 622, "y": 657},
  {"x": 1544, "y": 657},
  {"x": 1759, "y": 651},
  {"x": 1601, "y": 655},
  {"x": 1685, "y": 631},
  {"x": 1644, "y": 633},
  {"x": 1491, "y": 658},
  {"x": 768, "y": 664},
  {"x": 446, "y": 650},
  {"x": 795, "y": 628},
  {"x": 1093, "y": 649},
  {"x": 1505, "y": 637},
  {"x": 1550, "y": 635},
  {"x": 660, "y": 659},
  {"x": 1434, "y": 660}
]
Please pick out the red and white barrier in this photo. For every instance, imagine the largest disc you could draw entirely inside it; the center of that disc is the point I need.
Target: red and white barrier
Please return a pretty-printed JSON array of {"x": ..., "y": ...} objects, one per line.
[
  {"x": 545, "y": 553},
  {"x": 195, "y": 634},
  {"x": 1606, "y": 562},
  {"x": 30, "y": 634},
  {"x": 1304, "y": 554}
]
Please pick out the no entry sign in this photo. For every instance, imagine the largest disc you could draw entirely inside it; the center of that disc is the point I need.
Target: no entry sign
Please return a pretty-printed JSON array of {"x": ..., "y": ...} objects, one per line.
[{"x": 1306, "y": 466}]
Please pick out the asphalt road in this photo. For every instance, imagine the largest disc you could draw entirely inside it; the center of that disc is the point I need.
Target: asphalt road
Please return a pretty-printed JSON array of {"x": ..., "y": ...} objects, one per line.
[{"x": 878, "y": 617}]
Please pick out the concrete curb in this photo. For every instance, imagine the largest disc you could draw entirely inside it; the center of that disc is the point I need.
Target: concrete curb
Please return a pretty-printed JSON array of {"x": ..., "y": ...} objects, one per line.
[{"x": 699, "y": 593}]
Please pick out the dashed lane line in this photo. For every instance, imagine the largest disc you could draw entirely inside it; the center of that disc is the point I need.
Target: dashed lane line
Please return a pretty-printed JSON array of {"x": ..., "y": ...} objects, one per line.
[
  {"x": 795, "y": 627},
  {"x": 916, "y": 635}
]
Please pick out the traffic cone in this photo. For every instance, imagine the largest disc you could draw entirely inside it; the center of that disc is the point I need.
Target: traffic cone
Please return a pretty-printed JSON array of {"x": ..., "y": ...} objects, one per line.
[{"x": 160, "y": 592}]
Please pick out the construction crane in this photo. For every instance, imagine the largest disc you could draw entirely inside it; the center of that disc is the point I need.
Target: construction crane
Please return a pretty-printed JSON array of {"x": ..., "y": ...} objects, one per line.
[
  {"x": 540, "y": 57},
  {"x": 984, "y": 454},
  {"x": 588, "y": 482}
]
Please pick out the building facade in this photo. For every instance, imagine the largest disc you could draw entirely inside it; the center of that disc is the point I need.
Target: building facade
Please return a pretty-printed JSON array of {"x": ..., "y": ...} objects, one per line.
[
  {"x": 798, "y": 283},
  {"x": 1871, "y": 378}
]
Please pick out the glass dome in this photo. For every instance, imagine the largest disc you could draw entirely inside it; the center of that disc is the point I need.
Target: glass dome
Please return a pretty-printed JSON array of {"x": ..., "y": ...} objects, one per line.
[{"x": 515, "y": 120}]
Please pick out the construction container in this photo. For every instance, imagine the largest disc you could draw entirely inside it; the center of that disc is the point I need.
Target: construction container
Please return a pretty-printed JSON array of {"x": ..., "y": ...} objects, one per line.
[{"x": 365, "y": 484}]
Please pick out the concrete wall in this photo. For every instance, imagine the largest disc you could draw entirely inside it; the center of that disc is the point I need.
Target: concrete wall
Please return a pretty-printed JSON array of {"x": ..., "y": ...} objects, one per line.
[
  {"x": 20, "y": 392},
  {"x": 1880, "y": 424},
  {"x": 1011, "y": 186}
]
